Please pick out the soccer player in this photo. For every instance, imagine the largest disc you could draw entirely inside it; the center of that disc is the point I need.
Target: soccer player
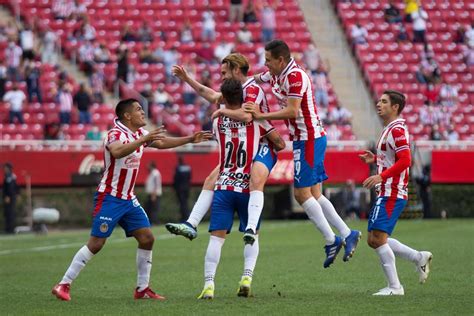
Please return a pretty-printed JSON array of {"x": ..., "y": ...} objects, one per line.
[
  {"x": 293, "y": 89},
  {"x": 115, "y": 202},
  {"x": 238, "y": 145},
  {"x": 393, "y": 160},
  {"x": 234, "y": 66}
]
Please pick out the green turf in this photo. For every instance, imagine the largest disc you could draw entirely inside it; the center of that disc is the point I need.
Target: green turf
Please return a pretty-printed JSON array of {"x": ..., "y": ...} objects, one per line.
[{"x": 289, "y": 277}]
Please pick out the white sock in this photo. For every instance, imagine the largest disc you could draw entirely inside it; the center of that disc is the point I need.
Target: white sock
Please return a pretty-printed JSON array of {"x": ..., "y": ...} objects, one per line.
[
  {"x": 144, "y": 258},
  {"x": 401, "y": 250},
  {"x": 315, "y": 214},
  {"x": 78, "y": 263},
  {"x": 255, "y": 209},
  {"x": 213, "y": 255},
  {"x": 201, "y": 207},
  {"x": 250, "y": 258},
  {"x": 333, "y": 218},
  {"x": 387, "y": 259}
]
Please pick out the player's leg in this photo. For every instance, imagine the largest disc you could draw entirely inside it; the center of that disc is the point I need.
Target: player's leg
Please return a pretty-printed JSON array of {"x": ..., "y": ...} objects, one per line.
[
  {"x": 382, "y": 220},
  {"x": 261, "y": 167},
  {"x": 421, "y": 259},
  {"x": 351, "y": 238},
  {"x": 200, "y": 208},
  {"x": 220, "y": 224}
]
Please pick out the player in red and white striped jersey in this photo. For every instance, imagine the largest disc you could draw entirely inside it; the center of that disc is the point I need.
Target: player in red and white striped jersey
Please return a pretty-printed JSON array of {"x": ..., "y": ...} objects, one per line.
[
  {"x": 234, "y": 66},
  {"x": 115, "y": 203},
  {"x": 393, "y": 162},
  {"x": 293, "y": 88}
]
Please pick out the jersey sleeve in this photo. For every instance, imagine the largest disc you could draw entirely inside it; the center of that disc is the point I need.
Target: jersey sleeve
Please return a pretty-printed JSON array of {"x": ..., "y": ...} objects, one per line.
[
  {"x": 265, "y": 76},
  {"x": 115, "y": 136},
  {"x": 255, "y": 94},
  {"x": 265, "y": 127},
  {"x": 399, "y": 141},
  {"x": 295, "y": 85}
]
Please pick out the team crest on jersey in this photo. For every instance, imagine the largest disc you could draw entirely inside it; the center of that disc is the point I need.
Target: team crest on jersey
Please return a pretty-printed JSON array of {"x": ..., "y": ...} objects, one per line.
[{"x": 104, "y": 227}]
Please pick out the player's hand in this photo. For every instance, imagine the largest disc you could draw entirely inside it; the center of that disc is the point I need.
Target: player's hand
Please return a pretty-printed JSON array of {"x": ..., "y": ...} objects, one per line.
[
  {"x": 216, "y": 114},
  {"x": 252, "y": 108},
  {"x": 367, "y": 157},
  {"x": 154, "y": 135},
  {"x": 372, "y": 181},
  {"x": 201, "y": 136},
  {"x": 179, "y": 72}
]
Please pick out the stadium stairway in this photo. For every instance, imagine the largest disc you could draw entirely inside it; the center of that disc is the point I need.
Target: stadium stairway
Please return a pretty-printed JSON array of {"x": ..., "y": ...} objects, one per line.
[{"x": 344, "y": 74}]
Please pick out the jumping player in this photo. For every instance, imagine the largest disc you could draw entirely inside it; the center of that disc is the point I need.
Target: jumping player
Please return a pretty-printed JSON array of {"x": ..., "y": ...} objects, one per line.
[
  {"x": 234, "y": 66},
  {"x": 115, "y": 202},
  {"x": 293, "y": 89},
  {"x": 393, "y": 160}
]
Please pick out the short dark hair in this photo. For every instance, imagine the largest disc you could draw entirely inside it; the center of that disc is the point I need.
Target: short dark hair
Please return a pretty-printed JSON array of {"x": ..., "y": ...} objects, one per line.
[
  {"x": 124, "y": 106},
  {"x": 232, "y": 91},
  {"x": 278, "y": 48},
  {"x": 396, "y": 97}
]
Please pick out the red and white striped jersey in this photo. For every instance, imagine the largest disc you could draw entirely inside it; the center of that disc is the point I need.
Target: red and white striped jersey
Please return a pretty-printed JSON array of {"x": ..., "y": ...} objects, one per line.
[
  {"x": 120, "y": 174},
  {"x": 294, "y": 82},
  {"x": 238, "y": 145},
  {"x": 393, "y": 140}
]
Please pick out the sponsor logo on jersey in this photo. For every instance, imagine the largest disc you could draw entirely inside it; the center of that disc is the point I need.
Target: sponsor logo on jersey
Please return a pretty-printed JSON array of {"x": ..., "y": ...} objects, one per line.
[
  {"x": 132, "y": 162},
  {"x": 402, "y": 137},
  {"x": 105, "y": 218},
  {"x": 296, "y": 84}
]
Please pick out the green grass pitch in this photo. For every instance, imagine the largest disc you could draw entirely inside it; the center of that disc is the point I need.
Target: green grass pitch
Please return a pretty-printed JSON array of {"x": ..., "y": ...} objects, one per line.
[{"x": 289, "y": 277}]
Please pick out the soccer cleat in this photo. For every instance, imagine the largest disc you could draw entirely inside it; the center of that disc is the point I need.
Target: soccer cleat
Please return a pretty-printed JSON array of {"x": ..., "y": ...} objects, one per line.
[
  {"x": 147, "y": 294},
  {"x": 207, "y": 293},
  {"x": 249, "y": 237},
  {"x": 61, "y": 291},
  {"x": 244, "y": 287},
  {"x": 184, "y": 229},
  {"x": 332, "y": 251},
  {"x": 423, "y": 266},
  {"x": 386, "y": 291},
  {"x": 350, "y": 245}
]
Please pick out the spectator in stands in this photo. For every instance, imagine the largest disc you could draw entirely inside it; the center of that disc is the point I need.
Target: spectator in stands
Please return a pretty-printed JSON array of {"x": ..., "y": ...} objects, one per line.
[
  {"x": 13, "y": 54},
  {"x": 27, "y": 42},
  {"x": 170, "y": 58},
  {"x": 450, "y": 134},
  {"x": 402, "y": 35},
  {"x": 101, "y": 53},
  {"x": 79, "y": 10},
  {"x": 94, "y": 133},
  {"x": 53, "y": 131},
  {"x": 182, "y": 186},
  {"x": 410, "y": 7},
  {"x": 470, "y": 35},
  {"x": 435, "y": 134},
  {"x": 268, "y": 21},
  {"x": 122, "y": 63},
  {"x": 32, "y": 77},
  {"x": 250, "y": 16},
  {"x": 62, "y": 9},
  {"x": 351, "y": 200},
  {"x": 64, "y": 100},
  {"x": 208, "y": 26},
  {"x": 206, "y": 79},
  {"x": 86, "y": 57},
  {"x": 83, "y": 101},
  {"x": 424, "y": 186},
  {"x": 427, "y": 52},
  {"x": 10, "y": 191},
  {"x": 428, "y": 71},
  {"x": 333, "y": 132},
  {"x": 159, "y": 52},
  {"x": 244, "y": 36},
  {"x": 260, "y": 51},
  {"x": 321, "y": 86},
  {"x": 163, "y": 98},
  {"x": 3, "y": 34},
  {"x": 145, "y": 33},
  {"x": 88, "y": 30},
  {"x": 48, "y": 47},
  {"x": 127, "y": 34},
  {"x": 311, "y": 58},
  {"x": 419, "y": 25},
  {"x": 222, "y": 50},
  {"x": 391, "y": 13},
  {"x": 358, "y": 34},
  {"x": 3, "y": 78},
  {"x": 96, "y": 81},
  {"x": 340, "y": 115},
  {"x": 186, "y": 33},
  {"x": 468, "y": 54},
  {"x": 146, "y": 54},
  {"x": 147, "y": 93},
  {"x": 460, "y": 35},
  {"x": 153, "y": 189},
  {"x": 235, "y": 11},
  {"x": 431, "y": 93},
  {"x": 205, "y": 54},
  {"x": 189, "y": 94},
  {"x": 448, "y": 95},
  {"x": 16, "y": 98}
]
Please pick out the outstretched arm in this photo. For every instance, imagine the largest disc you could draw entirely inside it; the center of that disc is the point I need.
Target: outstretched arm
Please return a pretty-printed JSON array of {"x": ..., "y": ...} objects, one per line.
[
  {"x": 205, "y": 92},
  {"x": 119, "y": 150},
  {"x": 171, "y": 142}
]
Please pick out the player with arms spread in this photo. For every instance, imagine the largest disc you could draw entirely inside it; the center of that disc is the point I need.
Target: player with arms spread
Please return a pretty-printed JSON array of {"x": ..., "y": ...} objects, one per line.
[
  {"x": 293, "y": 89},
  {"x": 238, "y": 145},
  {"x": 393, "y": 160},
  {"x": 234, "y": 66},
  {"x": 115, "y": 202}
]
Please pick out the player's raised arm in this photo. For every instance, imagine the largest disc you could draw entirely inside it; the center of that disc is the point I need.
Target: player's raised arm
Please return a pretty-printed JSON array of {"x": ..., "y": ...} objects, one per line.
[
  {"x": 119, "y": 150},
  {"x": 171, "y": 142},
  {"x": 207, "y": 93}
]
